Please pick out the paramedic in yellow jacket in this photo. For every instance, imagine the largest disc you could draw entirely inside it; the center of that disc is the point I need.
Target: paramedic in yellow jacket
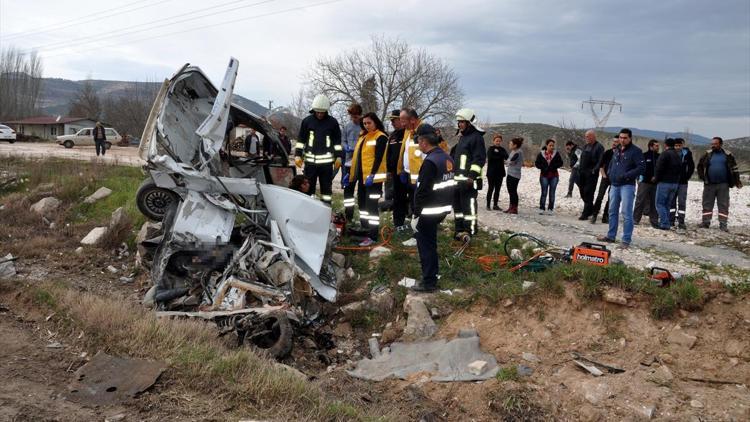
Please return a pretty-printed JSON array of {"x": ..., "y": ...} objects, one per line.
[
  {"x": 369, "y": 167},
  {"x": 410, "y": 158}
]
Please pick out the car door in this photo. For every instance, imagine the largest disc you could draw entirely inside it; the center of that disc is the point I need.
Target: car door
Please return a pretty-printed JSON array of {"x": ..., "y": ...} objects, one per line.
[
  {"x": 84, "y": 137},
  {"x": 112, "y": 136}
]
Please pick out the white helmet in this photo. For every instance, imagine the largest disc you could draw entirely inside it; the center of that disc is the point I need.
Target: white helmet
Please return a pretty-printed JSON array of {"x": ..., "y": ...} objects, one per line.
[
  {"x": 321, "y": 103},
  {"x": 466, "y": 114}
]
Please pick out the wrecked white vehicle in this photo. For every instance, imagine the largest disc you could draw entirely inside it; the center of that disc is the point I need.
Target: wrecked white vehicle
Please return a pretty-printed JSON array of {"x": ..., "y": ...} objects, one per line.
[{"x": 235, "y": 245}]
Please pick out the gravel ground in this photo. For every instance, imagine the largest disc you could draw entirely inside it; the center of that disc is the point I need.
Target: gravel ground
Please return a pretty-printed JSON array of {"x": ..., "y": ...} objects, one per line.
[{"x": 684, "y": 251}]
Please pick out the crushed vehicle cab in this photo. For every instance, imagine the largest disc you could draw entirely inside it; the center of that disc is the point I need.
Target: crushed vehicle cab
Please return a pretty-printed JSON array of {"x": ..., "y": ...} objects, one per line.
[{"x": 235, "y": 245}]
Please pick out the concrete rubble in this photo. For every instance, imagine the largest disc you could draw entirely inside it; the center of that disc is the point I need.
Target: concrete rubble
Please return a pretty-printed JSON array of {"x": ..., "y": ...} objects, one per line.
[
  {"x": 46, "y": 207},
  {"x": 100, "y": 193},
  {"x": 419, "y": 324},
  {"x": 95, "y": 236}
]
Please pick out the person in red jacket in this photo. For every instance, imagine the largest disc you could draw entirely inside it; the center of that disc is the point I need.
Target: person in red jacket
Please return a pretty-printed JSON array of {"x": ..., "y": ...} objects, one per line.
[{"x": 548, "y": 161}]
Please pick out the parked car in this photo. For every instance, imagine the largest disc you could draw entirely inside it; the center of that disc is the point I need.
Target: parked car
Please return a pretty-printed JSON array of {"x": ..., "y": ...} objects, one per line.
[
  {"x": 7, "y": 134},
  {"x": 85, "y": 137}
]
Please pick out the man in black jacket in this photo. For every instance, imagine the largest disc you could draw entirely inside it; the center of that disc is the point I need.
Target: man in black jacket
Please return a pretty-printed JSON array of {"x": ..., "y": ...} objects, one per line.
[
  {"x": 470, "y": 155},
  {"x": 432, "y": 202},
  {"x": 398, "y": 191},
  {"x": 646, "y": 197},
  {"x": 574, "y": 153},
  {"x": 496, "y": 156},
  {"x": 588, "y": 172},
  {"x": 319, "y": 144},
  {"x": 719, "y": 173},
  {"x": 679, "y": 203},
  {"x": 604, "y": 184},
  {"x": 667, "y": 174}
]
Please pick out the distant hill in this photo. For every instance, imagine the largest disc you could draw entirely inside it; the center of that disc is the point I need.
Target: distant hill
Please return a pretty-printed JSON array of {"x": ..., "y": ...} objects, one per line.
[
  {"x": 738, "y": 143},
  {"x": 692, "y": 138},
  {"x": 57, "y": 94}
]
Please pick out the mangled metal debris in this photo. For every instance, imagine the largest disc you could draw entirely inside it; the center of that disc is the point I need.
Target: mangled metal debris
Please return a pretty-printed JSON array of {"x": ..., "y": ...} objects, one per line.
[
  {"x": 109, "y": 380},
  {"x": 455, "y": 360},
  {"x": 235, "y": 245}
]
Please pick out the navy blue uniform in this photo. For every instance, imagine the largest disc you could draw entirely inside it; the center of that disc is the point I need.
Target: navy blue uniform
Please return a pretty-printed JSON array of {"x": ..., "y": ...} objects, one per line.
[{"x": 432, "y": 202}]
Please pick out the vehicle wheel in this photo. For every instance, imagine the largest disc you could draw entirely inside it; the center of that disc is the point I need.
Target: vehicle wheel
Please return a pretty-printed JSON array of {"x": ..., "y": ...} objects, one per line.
[
  {"x": 107, "y": 145},
  {"x": 68, "y": 144},
  {"x": 278, "y": 341},
  {"x": 153, "y": 201}
]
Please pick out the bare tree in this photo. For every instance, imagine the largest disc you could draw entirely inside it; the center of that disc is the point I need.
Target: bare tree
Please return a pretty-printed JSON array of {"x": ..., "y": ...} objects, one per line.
[
  {"x": 86, "y": 102},
  {"x": 20, "y": 83},
  {"x": 128, "y": 112},
  {"x": 395, "y": 74},
  {"x": 569, "y": 132},
  {"x": 300, "y": 105}
]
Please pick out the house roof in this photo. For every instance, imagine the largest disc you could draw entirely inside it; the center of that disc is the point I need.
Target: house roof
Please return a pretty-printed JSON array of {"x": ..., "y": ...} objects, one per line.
[{"x": 47, "y": 120}]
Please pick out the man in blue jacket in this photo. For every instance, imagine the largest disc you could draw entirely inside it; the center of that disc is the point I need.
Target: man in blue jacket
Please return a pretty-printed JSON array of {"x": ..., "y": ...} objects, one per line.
[{"x": 626, "y": 167}]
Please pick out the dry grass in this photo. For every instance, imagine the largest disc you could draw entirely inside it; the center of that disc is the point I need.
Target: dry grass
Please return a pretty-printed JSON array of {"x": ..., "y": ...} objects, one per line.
[{"x": 196, "y": 356}]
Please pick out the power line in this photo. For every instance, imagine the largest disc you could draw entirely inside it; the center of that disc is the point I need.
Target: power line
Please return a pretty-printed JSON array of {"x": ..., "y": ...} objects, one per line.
[
  {"x": 76, "y": 21},
  {"x": 278, "y": 12},
  {"x": 161, "y": 24}
]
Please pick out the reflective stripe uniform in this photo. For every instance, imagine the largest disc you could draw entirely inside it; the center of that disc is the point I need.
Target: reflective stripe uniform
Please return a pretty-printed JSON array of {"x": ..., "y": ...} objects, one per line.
[
  {"x": 432, "y": 202},
  {"x": 319, "y": 144},
  {"x": 470, "y": 156},
  {"x": 410, "y": 158},
  {"x": 369, "y": 159}
]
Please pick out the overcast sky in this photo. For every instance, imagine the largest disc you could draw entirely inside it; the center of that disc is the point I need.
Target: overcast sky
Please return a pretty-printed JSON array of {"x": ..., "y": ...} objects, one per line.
[{"x": 673, "y": 64}]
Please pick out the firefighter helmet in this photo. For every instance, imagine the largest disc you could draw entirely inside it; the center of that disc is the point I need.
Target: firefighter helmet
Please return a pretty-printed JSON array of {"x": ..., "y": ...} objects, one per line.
[
  {"x": 321, "y": 103},
  {"x": 466, "y": 114}
]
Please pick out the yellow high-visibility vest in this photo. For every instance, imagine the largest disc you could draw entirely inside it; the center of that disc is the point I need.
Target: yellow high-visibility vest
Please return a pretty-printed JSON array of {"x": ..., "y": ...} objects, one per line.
[{"x": 367, "y": 143}]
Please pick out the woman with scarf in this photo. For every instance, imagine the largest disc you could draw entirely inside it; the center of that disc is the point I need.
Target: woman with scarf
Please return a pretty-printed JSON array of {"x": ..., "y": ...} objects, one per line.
[{"x": 548, "y": 161}]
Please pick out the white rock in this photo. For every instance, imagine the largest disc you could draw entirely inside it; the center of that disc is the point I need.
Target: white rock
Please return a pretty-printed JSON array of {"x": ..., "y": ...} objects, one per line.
[
  {"x": 530, "y": 357},
  {"x": 79, "y": 250},
  {"x": 119, "y": 217},
  {"x": 419, "y": 324},
  {"x": 696, "y": 404},
  {"x": 354, "y": 308},
  {"x": 46, "y": 207},
  {"x": 115, "y": 418},
  {"x": 100, "y": 193},
  {"x": 407, "y": 282},
  {"x": 410, "y": 242},
  {"x": 526, "y": 285},
  {"x": 112, "y": 269},
  {"x": 379, "y": 252},
  {"x": 516, "y": 255},
  {"x": 350, "y": 274},
  {"x": 614, "y": 295},
  {"x": 477, "y": 367},
  {"x": 95, "y": 235},
  {"x": 338, "y": 259},
  {"x": 7, "y": 266}
]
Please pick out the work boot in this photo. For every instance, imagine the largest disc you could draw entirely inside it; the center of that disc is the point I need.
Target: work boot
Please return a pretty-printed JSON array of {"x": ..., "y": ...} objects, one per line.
[
  {"x": 488, "y": 205},
  {"x": 705, "y": 225},
  {"x": 681, "y": 226},
  {"x": 593, "y": 218},
  {"x": 496, "y": 208},
  {"x": 605, "y": 219},
  {"x": 723, "y": 227},
  {"x": 424, "y": 288},
  {"x": 513, "y": 210}
]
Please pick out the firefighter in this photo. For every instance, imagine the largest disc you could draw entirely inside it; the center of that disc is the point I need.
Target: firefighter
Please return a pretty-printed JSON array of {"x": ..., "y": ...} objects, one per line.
[
  {"x": 410, "y": 157},
  {"x": 470, "y": 155},
  {"x": 432, "y": 202},
  {"x": 369, "y": 168},
  {"x": 319, "y": 145}
]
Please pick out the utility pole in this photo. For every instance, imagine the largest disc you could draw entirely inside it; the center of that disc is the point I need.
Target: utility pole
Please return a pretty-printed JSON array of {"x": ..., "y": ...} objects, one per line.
[{"x": 270, "y": 105}]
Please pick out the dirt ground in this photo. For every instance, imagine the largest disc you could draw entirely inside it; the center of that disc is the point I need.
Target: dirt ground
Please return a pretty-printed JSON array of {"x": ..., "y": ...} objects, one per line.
[{"x": 126, "y": 156}]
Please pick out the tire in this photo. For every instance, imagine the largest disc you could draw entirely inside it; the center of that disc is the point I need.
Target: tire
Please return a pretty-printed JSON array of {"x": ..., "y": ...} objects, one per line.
[
  {"x": 68, "y": 144},
  {"x": 12, "y": 141},
  {"x": 107, "y": 145},
  {"x": 153, "y": 201},
  {"x": 278, "y": 344}
]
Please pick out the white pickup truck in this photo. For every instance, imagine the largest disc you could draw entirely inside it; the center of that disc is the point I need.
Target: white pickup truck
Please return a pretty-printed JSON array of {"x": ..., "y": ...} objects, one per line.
[{"x": 85, "y": 137}]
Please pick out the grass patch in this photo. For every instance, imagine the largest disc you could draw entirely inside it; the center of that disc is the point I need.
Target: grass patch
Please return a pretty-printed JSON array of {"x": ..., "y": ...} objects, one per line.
[
  {"x": 195, "y": 355},
  {"x": 509, "y": 373},
  {"x": 517, "y": 405}
]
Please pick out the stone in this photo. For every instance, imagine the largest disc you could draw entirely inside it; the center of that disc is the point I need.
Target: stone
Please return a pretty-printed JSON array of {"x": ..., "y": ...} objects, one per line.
[
  {"x": 530, "y": 357},
  {"x": 644, "y": 410},
  {"x": 149, "y": 299},
  {"x": 115, "y": 418},
  {"x": 382, "y": 298},
  {"x": 343, "y": 329},
  {"x": 733, "y": 348},
  {"x": 309, "y": 343},
  {"x": 54, "y": 345},
  {"x": 290, "y": 370},
  {"x": 508, "y": 303},
  {"x": 680, "y": 338},
  {"x": 53, "y": 225},
  {"x": 354, "y": 308},
  {"x": 662, "y": 376},
  {"x": 148, "y": 231},
  {"x": 478, "y": 367},
  {"x": 516, "y": 255},
  {"x": 617, "y": 296},
  {"x": 696, "y": 404},
  {"x": 95, "y": 236},
  {"x": 79, "y": 250},
  {"x": 390, "y": 334},
  {"x": 350, "y": 273},
  {"x": 119, "y": 218},
  {"x": 372, "y": 342},
  {"x": 126, "y": 280},
  {"x": 595, "y": 391},
  {"x": 7, "y": 266},
  {"x": 524, "y": 371},
  {"x": 526, "y": 285},
  {"x": 100, "y": 193},
  {"x": 112, "y": 269},
  {"x": 46, "y": 207},
  {"x": 666, "y": 358},
  {"x": 419, "y": 324},
  {"x": 339, "y": 259},
  {"x": 379, "y": 252}
]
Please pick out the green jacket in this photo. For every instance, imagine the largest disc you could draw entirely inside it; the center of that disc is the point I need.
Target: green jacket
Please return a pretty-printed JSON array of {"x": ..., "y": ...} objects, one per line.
[{"x": 734, "y": 173}]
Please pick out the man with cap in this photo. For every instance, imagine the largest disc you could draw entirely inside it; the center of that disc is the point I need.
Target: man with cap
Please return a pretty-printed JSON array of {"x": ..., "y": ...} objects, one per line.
[
  {"x": 319, "y": 145},
  {"x": 432, "y": 202},
  {"x": 350, "y": 134},
  {"x": 410, "y": 156},
  {"x": 399, "y": 196},
  {"x": 469, "y": 155}
]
